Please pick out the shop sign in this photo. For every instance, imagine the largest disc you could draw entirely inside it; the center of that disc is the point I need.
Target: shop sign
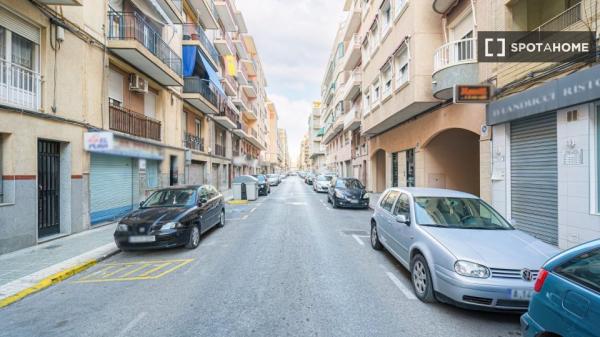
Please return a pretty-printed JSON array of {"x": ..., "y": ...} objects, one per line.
[
  {"x": 472, "y": 93},
  {"x": 98, "y": 141}
]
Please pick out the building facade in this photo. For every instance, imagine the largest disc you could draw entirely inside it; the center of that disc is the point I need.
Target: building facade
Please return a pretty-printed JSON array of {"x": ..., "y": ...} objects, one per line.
[{"x": 103, "y": 102}]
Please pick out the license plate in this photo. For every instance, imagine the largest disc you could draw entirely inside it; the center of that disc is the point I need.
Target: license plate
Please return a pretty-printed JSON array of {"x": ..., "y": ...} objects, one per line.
[
  {"x": 354, "y": 201},
  {"x": 142, "y": 238},
  {"x": 521, "y": 294}
]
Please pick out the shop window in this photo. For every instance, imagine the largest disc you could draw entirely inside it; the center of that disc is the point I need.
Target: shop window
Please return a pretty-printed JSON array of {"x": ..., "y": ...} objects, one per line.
[{"x": 401, "y": 60}]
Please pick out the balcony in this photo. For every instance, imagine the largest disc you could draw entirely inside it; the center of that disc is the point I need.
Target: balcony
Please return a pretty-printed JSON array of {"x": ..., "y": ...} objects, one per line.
[
  {"x": 352, "y": 23},
  {"x": 253, "y": 139},
  {"x": 226, "y": 15},
  {"x": 193, "y": 142},
  {"x": 241, "y": 75},
  {"x": 250, "y": 45},
  {"x": 133, "y": 123},
  {"x": 336, "y": 127},
  {"x": 230, "y": 85},
  {"x": 241, "y": 130},
  {"x": 249, "y": 66},
  {"x": 250, "y": 112},
  {"x": 20, "y": 87},
  {"x": 250, "y": 89},
  {"x": 241, "y": 23},
  {"x": 353, "y": 54},
  {"x": 352, "y": 85},
  {"x": 219, "y": 150},
  {"x": 135, "y": 41},
  {"x": 173, "y": 9},
  {"x": 61, "y": 2},
  {"x": 194, "y": 35},
  {"x": 201, "y": 94},
  {"x": 454, "y": 63},
  {"x": 562, "y": 21},
  {"x": 238, "y": 42},
  {"x": 207, "y": 13},
  {"x": 224, "y": 45},
  {"x": 330, "y": 93},
  {"x": 227, "y": 116},
  {"x": 352, "y": 119}
]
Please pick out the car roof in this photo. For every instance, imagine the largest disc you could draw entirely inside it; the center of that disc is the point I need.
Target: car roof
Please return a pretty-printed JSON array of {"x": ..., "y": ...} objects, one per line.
[
  {"x": 433, "y": 192},
  {"x": 181, "y": 187}
]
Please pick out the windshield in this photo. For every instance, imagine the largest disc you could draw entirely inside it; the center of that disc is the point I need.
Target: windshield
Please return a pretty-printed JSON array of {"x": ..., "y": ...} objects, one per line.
[
  {"x": 324, "y": 178},
  {"x": 261, "y": 179},
  {"x": 349, "y": 183},
  {"x": 171, "y": 198},
  {"x": 467, "y": 213}
]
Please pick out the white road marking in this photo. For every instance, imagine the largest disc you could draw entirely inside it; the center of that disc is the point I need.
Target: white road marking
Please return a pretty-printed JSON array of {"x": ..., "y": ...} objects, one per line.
[
  {"x": 252, "y": 210},
  {"x": 360, "y": 242},
  {"x": 328, "y": 208},
  {"x": 409, "y": 294},
  {"x": 132, "y": 324},
  {"x": 245, "y": 217}
]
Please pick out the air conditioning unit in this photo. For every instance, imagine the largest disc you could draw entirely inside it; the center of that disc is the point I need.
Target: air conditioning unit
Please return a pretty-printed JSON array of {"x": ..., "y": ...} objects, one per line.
[{"x": 137, "y": 83}]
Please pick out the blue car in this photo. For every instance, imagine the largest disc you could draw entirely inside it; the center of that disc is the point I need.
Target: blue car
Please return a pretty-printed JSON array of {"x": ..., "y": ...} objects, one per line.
[{"x": 567, "y": 295}]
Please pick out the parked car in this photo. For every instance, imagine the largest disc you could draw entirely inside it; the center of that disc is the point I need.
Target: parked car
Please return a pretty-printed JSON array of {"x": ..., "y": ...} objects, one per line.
[
  {"x": 567, "y": 298},
  {"x": 263, "y": 187},
  {"x": 347, "y": 192},
  {"x": 273, "y": 179},
  {"x": 309, "y": 178},
  {"x": 322, "y": 183},
  {"x": 171, "y": 217},
  {"x": 458, "y": 249}
]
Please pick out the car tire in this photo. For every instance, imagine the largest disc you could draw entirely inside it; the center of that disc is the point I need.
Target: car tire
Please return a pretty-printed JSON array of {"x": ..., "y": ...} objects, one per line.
[
  {"x": 221, "y": 219},
  {"x": 194, "y": 238},
  {"x": 334, "y": 203},
  {"x": 328, "y": 199},
  {"x": 375, "y": 243},
  {"x": 421, "y": 279}
]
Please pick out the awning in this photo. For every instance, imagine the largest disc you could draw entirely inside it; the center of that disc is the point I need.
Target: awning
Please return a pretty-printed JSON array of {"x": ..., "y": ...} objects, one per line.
[{"x": 196, "y": 64}]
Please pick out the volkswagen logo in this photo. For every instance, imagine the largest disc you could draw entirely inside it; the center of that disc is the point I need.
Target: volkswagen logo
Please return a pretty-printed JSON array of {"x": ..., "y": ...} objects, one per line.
[{"x": 526, "y": 274}]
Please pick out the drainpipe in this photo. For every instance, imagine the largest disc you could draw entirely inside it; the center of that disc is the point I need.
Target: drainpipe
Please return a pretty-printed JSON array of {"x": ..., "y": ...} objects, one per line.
[{"x": 474, "y": 13}]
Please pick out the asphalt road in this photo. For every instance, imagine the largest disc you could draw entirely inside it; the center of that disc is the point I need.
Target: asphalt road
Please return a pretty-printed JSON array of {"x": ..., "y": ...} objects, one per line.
[{"x": 285, "y": 265}]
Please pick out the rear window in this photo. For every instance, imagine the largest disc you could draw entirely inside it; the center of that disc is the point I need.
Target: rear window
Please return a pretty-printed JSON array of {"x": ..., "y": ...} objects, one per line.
[{"x": 583, "y": 270}]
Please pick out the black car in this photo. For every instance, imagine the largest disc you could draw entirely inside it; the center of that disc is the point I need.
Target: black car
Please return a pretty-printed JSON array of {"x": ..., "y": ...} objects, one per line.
[
  {"x": 172, "y": 217},
  {"x": 263, "y": 187},
  {"x": 347, "y": 192}
]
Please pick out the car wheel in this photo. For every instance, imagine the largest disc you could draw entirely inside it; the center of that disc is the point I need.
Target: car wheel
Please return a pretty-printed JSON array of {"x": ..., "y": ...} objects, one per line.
[
  {"x": 328, "y": 199},
  {"x": 222, "y": 219},
  {"x": 334, "y": 203},
  {"x": 375, "y": 243},
  {"x": 194, "y": 239},
  {"x": 421, "y": 279}
]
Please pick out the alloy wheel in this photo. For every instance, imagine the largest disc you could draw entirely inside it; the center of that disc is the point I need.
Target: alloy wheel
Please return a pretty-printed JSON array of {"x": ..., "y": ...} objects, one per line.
[
  {"x": 374, "y": 236},
  {"x": 195, "y": 236},
  {"x": 419, "y": 277}
]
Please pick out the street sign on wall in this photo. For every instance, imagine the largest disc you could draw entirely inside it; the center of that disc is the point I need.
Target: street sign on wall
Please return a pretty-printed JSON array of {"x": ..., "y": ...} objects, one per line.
[{"x": 479, "y": 93}]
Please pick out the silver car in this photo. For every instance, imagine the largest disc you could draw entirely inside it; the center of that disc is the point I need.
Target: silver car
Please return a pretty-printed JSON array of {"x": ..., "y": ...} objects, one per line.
[{"x": 458, "y": 249}]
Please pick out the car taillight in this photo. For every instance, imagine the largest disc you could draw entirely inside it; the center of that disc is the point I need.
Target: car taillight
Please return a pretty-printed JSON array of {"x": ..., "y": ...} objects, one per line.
[{"x": 539, "y": 283}]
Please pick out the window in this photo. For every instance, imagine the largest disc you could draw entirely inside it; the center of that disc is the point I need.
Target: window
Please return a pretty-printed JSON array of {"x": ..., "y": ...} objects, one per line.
[
  {"x": 386, "y": 75},
  {"x": 401, "y": 67},
  {"x": 583, "y": 270},
  {"x": 184, "y": 119},
  {"x": 386, "y": 17},
  {"x": 198, "y": 125},
  {"x": 399, "y": 7},
  {"x": 150, "y": 104},
  {"x": 367, "y": 100},
  {"x": 340, "y": 50},
  {"x": 374, "y": 34},
  {"x": 388, "y": 202},
  {"x": 403, "y": 206},
  {"x": 366, "y": 52},
  {"x": 376, "y": 91}
]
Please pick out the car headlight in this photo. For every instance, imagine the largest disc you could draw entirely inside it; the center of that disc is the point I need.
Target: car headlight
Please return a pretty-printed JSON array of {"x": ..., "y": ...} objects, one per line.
[
  {"x": 338, "y": 194},
  {"x": 171, "y": 225},
  {"x": 366, "y": 196},
  {"x": 122, "y": 228},
  {"x": 471, "y": 269}
]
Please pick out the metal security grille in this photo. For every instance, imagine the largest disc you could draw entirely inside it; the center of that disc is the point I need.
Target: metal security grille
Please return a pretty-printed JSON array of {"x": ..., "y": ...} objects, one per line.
[
  {"x": 534, "y": 176},
  {"x": 395, "y": 169},
  {"x": 48, "y": 188}
]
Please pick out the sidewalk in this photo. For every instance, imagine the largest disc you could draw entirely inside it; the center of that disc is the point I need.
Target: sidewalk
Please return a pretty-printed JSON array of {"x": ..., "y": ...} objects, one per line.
[{"x": 26, "y": 268}]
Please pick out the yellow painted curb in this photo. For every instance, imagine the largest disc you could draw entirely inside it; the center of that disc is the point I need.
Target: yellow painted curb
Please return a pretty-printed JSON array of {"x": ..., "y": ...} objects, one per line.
[
  {"x": 237, "y": 202},
  {"x": 47, "y": 282}
]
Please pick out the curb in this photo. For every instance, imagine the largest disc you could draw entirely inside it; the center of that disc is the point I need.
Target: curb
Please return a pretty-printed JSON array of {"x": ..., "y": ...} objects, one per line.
[
  {"x": 53, "y": 279},
  {"x": 237, "y": 202}
]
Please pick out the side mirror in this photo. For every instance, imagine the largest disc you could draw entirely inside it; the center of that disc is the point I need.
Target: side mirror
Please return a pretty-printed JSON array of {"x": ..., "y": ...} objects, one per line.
[
  {"x": 401, "y": 218},
  {"x": 142, "y": 203},
  {"x": 202, "y": 201}
]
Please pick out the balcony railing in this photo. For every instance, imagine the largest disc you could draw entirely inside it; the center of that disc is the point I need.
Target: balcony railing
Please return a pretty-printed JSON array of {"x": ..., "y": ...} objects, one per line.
[
  {"x": 454, "y": 53},
  {"x": 226, "y": 111},
  {"x": 193, "y": 142},
  {"x": 227, "y": 37},
  {"x": 19, "y": 86},
  {"x": 203, "y": 87},
  {"x": 254, "y": 133},
  {"x": 133, "y": 123},
  {"x": 132, "y": 26},
  {"x": 194, "y": 32},
  {"x": 562, "y": 20},
  {"x": 219, "y": 150}
]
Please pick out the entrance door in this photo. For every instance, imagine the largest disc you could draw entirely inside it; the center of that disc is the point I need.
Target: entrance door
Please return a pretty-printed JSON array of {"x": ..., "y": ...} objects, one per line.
[{"x": 48, "y": 188}]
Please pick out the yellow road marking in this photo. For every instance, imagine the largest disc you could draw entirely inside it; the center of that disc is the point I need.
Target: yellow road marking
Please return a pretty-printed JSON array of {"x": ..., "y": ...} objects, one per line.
[
  {"x": 157, "y": 268},
  {"x": 135, "y": 270},
  {"x": 117, "y": 270},
  {"x": 169, "y": 266}
]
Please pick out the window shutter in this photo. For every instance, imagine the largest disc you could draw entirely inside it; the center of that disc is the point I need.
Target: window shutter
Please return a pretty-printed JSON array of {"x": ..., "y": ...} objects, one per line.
[{"x": 17, "y": 25}]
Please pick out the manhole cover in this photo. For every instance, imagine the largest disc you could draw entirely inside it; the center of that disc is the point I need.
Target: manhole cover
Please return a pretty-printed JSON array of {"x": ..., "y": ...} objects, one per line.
[{"x": 352, "y": 232}]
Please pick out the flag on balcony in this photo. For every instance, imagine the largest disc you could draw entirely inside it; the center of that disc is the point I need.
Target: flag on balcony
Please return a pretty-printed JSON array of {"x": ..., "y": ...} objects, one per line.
[
  {"x": 196, "y": 64},
  {"x": 230, "y": 65}
]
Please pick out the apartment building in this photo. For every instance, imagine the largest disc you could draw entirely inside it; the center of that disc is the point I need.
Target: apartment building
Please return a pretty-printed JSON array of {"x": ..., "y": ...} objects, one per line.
[
  {"x": 304, "y": 155},
  {"x": 283, "y": 148},
  {"x": 544, "y": 156},
  {"x": 103, "y": 102},
  {"x": 315, "y": 135},
  {"x": 273, "y": 154}
]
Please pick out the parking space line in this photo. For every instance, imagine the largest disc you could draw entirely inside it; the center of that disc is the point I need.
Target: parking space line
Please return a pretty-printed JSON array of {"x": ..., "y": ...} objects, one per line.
[
  {"x": 137, "y": 272},
  {"x": 136, "y": 269},
  {"x": 409, "y": 294},
  {"x": 157, "y": 268},
  {"x": 131, "y": 324},
  {"x": 252, "y": 210},
  {"x": 245, "y": 217},
  {"x": 360, "y": 242},
  {"x": 117, "y": 270}
]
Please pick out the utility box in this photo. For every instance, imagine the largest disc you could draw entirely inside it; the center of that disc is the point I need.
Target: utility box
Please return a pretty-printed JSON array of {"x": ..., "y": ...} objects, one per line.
[{"x": 245, "y": 188}]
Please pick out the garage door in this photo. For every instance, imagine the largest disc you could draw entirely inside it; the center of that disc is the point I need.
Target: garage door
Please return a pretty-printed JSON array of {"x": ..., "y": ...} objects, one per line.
[
  {"x": 111, "y": 187},
  {"x": 534, "y": 176},
  {"x": 197, "y": 173}
]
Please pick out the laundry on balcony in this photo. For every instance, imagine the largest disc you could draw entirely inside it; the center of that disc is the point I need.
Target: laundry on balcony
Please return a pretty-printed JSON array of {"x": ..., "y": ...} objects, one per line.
[{"x": 195, "y": 64}]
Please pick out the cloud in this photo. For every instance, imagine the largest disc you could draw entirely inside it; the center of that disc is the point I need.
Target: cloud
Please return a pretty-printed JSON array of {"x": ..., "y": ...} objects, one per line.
[{"x": 294, "y": 39}]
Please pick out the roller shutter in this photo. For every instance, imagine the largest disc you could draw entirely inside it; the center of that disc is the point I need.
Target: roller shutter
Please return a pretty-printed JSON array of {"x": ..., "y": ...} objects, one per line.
[
  {"x": 197, "y": 173},
  {"x": 534, "y": 176},
  {"x": 111, "y": 187},
  {"x": 15, "y": 24},
  {"x": 152, "y": 173}
]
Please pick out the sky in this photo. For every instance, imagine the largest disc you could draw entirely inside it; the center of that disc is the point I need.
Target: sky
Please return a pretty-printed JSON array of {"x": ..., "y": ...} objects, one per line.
[{"x": 293, "y": 39}]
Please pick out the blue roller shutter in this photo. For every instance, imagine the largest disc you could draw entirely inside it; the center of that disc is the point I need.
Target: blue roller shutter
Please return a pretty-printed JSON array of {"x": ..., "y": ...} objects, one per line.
[
  {"x": 152, "y": 173},
  {"x": 534, "y": 176},
  {"x": 111, "y": 187}
]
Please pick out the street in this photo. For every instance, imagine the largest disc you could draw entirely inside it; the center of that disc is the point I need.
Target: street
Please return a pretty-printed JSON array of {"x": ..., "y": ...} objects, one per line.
[{"x": 284, "y": 265}]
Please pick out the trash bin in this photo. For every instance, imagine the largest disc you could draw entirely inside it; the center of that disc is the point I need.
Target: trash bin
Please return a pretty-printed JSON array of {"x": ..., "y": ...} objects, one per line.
[{"x": 245, "y": 188}]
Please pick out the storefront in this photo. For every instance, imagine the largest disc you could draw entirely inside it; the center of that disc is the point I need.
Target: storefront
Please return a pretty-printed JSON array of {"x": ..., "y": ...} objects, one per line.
[
  {"x": 122, "y": 173},
  {"x": 544, "y": 159}
]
